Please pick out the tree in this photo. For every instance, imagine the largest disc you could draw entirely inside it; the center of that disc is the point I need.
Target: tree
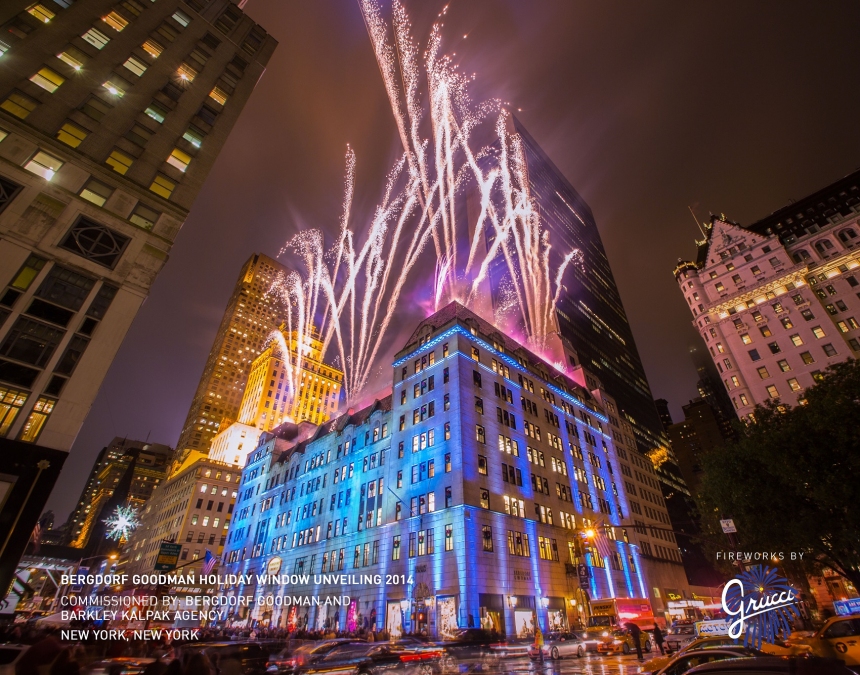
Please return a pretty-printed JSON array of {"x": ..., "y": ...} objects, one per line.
[{"x": 792, "y": 482}]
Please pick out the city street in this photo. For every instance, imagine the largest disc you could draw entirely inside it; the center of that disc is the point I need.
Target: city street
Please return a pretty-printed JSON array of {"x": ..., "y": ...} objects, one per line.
[{"x": 590, "y": 665}]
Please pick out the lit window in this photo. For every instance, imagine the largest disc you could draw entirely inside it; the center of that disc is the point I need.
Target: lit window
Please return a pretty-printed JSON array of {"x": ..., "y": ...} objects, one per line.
[
  {"x": 796, "y": 340},
  {"x": 794, "y": 384},
  {"x": 783, "y": 365},
  {"x": 119, "y": 161},
  {"x": 156, "y": 111},
  {"x": 116, "y": 85},
  {"x": 96, "y": 38},
  {"x": 152, "y": 48},
  {"x": 181, "y": 18},
  {"x": 772, "y": 392},
  {"x": 96, "y": 192},
  {"x": 11, "y": 402},
  {"x": 194, "y": 136},
  {"x": 71, "y": 134},
  {"x": 186, "y": 73},
  {"x": 179, "y": 159},
  {"x": 44, "y": 165},
  {"x": 218, "y": 95},
  {"x": 73, "y": 57},
  {"x": 135, "y": 65},
  {"x": 41, "y": 12},
  {"x": 36, "y": 420},
  {"x": 746, "y": 339},
  {"x": 762, "y": 373},
  {"x": 735, "y": 381},
  {"x": 115, "y": 21},
  {"x": 807, "y": 358},
  {"x": 818, "y": 332},
  {"x": 48, "y": 79},
  {"x": 162, "y": 186},
  {"x": 144, "y": 217},
  {"x": 19, "y": 104}
]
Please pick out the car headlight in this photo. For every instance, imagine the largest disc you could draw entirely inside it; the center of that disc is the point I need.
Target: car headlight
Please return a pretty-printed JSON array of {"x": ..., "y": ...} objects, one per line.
[{"x": 585, "y": 636}]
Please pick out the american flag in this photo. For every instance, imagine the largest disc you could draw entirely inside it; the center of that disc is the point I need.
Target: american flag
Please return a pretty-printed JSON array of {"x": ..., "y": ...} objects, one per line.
[
  {"x": 601, "y": 543},
  {"x": 209, "y": 562}
]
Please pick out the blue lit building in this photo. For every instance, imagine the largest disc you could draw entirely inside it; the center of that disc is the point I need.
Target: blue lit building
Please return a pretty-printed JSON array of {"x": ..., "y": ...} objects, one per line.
[{"x": 474, "y": 480}]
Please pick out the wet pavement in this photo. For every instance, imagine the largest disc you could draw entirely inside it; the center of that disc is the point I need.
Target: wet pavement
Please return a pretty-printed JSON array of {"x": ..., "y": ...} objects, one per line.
[{"x": 591, "y": 664}]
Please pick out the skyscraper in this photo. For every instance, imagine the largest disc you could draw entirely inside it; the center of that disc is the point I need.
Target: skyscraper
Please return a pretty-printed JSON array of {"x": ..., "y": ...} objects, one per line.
[
  {"x": 148, "y": 462},
  {"x": 111, "y": 117},
  {"x": 591, "y": 317},
  {"x": 250, "y": 317}
]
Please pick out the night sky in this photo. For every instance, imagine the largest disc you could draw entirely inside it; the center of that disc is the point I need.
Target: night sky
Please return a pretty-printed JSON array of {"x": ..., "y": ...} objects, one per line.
[{"x": 647, "y": 108}]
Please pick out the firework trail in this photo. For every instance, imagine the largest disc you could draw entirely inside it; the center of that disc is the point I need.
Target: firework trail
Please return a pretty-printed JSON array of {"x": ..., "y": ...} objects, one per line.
[{"x": 347, "y": 294}]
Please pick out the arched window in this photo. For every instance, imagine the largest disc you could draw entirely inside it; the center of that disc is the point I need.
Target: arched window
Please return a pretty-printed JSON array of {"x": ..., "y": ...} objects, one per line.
[
  {"x": 824, "y": 246},
  {"x": 847, "y": 235}
]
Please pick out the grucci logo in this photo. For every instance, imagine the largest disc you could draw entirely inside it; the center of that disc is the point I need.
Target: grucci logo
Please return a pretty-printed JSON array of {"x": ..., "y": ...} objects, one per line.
[{"x": 760, "y": 603}]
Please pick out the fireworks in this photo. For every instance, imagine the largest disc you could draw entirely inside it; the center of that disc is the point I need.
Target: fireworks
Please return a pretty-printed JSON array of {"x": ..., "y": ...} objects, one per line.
[
  {"x": 121, "y": 523},
  {"x": 349, "y": 293}
]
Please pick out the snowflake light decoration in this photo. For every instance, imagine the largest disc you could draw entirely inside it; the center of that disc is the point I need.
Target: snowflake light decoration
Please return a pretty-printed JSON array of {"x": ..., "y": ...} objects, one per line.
[{"x": 121, "y": 523}]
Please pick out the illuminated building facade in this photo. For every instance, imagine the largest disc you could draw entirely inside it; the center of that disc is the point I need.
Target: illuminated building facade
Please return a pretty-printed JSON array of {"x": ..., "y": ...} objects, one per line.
[
  {"x": 248, "y": 320},
  {"x": 475, "y": 481},
  {"x": 192, "y": 507},
  {"x": 148, "y": 463},
  {"x": 267, "y": 400},
  {"x": 776, "y": 302},
  {"x": 111, "y": 117}
]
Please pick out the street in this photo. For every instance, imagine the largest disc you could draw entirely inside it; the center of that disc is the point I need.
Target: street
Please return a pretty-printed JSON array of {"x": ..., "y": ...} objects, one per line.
[{"x": 589, "y": 665}]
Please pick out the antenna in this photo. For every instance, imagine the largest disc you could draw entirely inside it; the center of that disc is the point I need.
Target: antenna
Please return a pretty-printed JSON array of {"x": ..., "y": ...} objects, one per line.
[{"x": 697, "y": 222}]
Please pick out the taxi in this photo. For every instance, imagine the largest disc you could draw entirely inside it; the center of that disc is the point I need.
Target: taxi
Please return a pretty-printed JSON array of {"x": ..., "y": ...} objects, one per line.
[
  {"x": 838, "y": 638},
  {"x": 716, "y": 642},
  {"x": 621, "y": 641}
]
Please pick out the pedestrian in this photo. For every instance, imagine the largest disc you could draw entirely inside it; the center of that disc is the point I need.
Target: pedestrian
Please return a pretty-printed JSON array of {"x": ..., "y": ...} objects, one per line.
[
  {"x": 658, "y": 638},
  {"x": 636, "y": 635}
]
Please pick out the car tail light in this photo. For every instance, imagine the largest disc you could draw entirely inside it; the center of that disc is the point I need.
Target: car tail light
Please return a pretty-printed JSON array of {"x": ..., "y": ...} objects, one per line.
[{"x": 420, "y": 656}]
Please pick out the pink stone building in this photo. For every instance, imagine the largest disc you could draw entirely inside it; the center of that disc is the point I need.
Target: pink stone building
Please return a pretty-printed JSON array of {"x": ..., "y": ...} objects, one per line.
[{"x": 776, "y": 302}]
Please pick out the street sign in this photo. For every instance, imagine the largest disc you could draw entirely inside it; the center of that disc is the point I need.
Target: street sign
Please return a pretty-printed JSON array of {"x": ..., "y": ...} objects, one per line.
[
  {"x": 728, "y": 526},
  {"x": 168, "y": 556}
]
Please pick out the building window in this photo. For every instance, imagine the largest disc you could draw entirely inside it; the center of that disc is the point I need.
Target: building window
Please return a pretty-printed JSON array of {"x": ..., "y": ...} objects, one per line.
[
  {"x": 783, "y": 365},
  {"x": 395, "y": 548},
  {"x": 135, "y": 65},
  {"x": 772, "y": 392},
  {"x": 119, "y": 162},
  {"x": 144, "y": 217},
  {"x": 485, "y": 499},
  {"x": 447, "y": 462},
  {"x": 96, "y": 38},
  {"x": 179, "y": 159},
  {"x": 95, "y": 242},
  {"x": 449, "y": 497},
  {"x": 774, "y": 348},
  {"x": 11, "y": 402},
  {"x": 449, "y": 537},
  {"x": 96, "y": 192},
  {"x": 487, "y": 537},
  {"x": 807, "y": 358},
  {"x": 480, "y": 434},
  {"x": 156, "y": 111},
  {"x": 71, "y": 134},
  {"x": 44, "y": 165},
  {"x": 829, "y": 350},
  {"x": 796, "y": 340},
  {"x": 48, "y": 79},
  {"x": 818, "y": 332},
  {"x": 218, "y": 95},
  {"x": 482, "y": 465},
  {"x": 36, "y": 421},
  {"x": 762, "y": 373},
  {"x": 794, "y": 384},
  {"x": 162, "y": 186},
  {"x": 754, "y": 355}
]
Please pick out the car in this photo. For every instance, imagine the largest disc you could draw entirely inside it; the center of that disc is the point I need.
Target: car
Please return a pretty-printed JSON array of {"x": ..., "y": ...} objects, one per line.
[
  {"x": 252, "y": 657},
  {"x": 680, "y": 664},
  {"x": 307, "y": 654},
  {"x": 370, "y": 658},
  {"x": 558, "y": 646},
  {"x": 711, "y": 642},
  {"x": 838, "y": 638},
  {"x": 473, "y": 644},
  {"x": 9, "y": 656},
  {"x": 125, "y": 665},
  {"x": 678, "y": 635},
  {"x": 771, "y": 665},
  {"x": 622, "y": 641}
]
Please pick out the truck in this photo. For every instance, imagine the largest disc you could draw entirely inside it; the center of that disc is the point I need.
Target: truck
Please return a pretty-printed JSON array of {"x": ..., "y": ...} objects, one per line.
[{"x": 612, "y": 614}]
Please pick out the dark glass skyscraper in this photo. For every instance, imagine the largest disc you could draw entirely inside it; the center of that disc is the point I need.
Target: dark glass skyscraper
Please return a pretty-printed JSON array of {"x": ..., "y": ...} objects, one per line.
[{"x": 591, "y": 316}]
